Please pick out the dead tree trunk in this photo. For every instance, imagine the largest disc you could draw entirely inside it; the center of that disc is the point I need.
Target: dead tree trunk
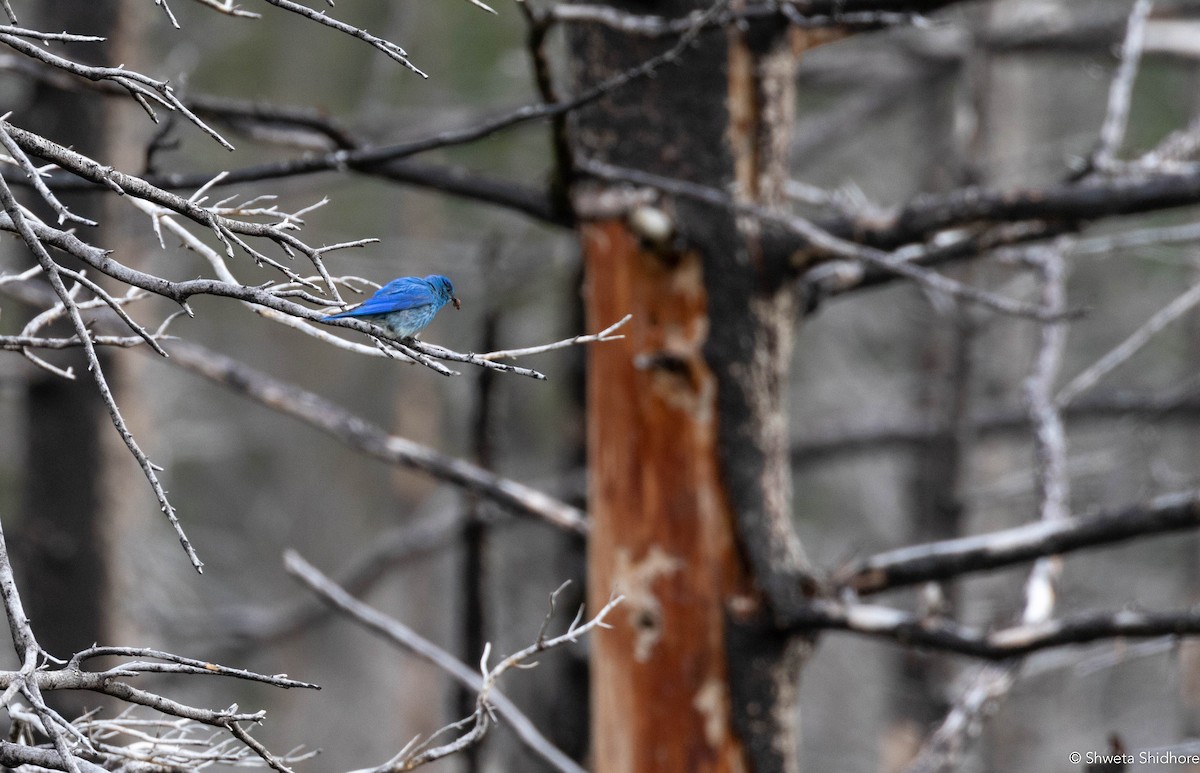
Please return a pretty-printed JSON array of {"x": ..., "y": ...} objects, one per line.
[{"x": 690, "y": 495}]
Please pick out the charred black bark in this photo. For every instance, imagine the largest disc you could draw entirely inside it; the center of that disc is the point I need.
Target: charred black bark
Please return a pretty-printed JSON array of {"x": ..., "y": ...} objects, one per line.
[{"x": 763, "y": 683}]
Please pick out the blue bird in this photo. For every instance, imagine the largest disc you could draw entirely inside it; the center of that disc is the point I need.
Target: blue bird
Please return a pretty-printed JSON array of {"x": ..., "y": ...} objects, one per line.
[{"x": 406, "y": 305}]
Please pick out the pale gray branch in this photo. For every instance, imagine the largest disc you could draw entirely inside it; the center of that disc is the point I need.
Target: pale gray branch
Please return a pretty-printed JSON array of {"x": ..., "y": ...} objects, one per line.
[
  {"x": 1120, "y": 353},
  {"x": 1112, "y": 132},
  {"x": 409, "y": 640}
]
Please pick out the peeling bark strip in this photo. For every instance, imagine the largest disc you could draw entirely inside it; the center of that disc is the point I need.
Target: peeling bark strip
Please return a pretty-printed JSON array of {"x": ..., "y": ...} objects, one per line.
[{"x": 662, "y": 534}]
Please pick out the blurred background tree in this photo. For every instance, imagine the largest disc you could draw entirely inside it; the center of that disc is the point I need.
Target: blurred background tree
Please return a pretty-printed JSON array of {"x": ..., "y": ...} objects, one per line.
[{"x": 899, "y": 272}]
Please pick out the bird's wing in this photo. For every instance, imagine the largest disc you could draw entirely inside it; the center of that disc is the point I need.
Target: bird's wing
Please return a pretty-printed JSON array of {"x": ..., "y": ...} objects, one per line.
[{"x": 404, "y": 293}]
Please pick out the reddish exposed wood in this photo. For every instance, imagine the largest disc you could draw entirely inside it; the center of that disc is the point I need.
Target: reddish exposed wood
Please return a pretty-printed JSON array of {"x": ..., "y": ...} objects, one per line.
[{"x": 661, "y": 531}]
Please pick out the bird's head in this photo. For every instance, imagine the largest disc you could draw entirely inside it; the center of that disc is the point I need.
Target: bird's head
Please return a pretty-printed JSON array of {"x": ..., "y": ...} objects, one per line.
[{"x": 443, "y": 289}]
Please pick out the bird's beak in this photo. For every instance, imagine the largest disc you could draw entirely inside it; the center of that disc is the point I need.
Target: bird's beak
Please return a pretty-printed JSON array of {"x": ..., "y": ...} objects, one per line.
[{"x": 457, "y": 303}]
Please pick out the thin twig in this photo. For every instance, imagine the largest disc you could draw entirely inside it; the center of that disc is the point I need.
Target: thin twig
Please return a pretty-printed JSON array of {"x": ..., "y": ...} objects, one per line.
[
  {"x": 1120, "y": 353},
  {"x": 388, "y": 48},
  {"x": 192, "y": 665},
  {"x": 17, "y": 343},
  {"x": 518, "y": 659},
  {"x": 484, "y": 6},
  {"x": 227, "y": 7},
  {"x": 117, "y": 308},
  {"x": 1116, "y": 119},
  {"x": 414, "y": 348},
  {"x": 604, "y": 335},
  {"x": 170, "y": 15}
]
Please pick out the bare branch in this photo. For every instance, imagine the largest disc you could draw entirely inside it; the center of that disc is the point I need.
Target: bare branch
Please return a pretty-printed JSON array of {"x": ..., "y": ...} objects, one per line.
[
  {"x": 942, "y": 748},
  {"x": 414, "y": 348},
  {"x": 483, "y": 712},
  {"x": 1119, "y": 354},
  {"x": 404, "y": 637},
  {"x": 175, "y": 664},
  {"x": 72, "y": 748},
  {"x": 978, "y": 553},
  {"x": 1001, "y": 644},
  {"x": 310, "y": 130},
  {"x": 252, "y": 626},
  {"x": 1072, "y": 202},
  {"x": 15, "y": 755},
  {"x": 1112, "y": 132},
  {"x": 516, "y": 660},
  {"x": 1050, "y": 441},
  {"x": 117, "y": 307},
  {"x": 369, "y": 439}
]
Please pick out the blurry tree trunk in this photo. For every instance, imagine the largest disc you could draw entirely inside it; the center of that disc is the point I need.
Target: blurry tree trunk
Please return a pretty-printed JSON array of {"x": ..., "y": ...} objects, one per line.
[
  {"x": 917, "y": 694},
  {"x": 85, "y": 527},
  {"x": 58, "y": 545},
  {"x": 473, "y": 625},
  {"x": 935, "y": 511},
  {"x": 143, "y": 574},
  {"x": 690, "y": 499},
  {"x": 1013, "y": 116}
]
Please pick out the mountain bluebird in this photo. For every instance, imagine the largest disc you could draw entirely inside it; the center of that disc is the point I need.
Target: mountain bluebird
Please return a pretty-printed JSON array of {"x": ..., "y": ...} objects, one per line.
[{"x": 406, "y": 305}]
